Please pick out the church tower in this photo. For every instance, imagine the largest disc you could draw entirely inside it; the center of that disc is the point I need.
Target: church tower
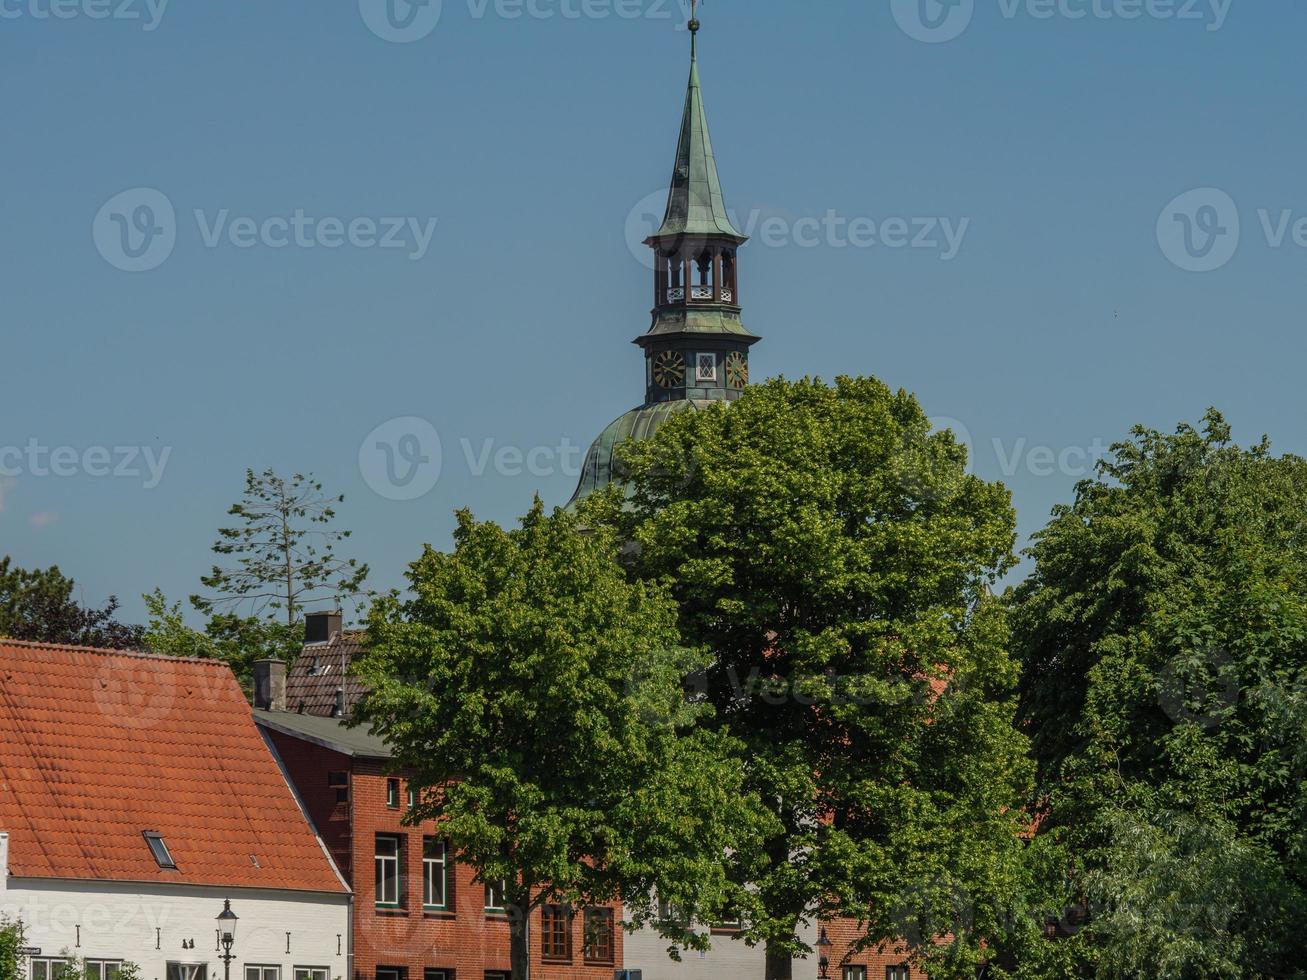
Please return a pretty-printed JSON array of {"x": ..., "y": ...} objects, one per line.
[{"x": 697, "y": 348}]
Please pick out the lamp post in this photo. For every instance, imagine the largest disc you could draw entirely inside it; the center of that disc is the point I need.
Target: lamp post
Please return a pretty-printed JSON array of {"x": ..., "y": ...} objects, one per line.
[
  {"x": 823, "y": 947},
  {"x": 226, "y": 936}
]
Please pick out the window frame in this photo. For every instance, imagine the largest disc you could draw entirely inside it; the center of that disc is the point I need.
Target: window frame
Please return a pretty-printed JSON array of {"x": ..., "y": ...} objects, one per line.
[
  {"x": 699, "y": 375},
  {"x": 428, "y": 862},
  {"x": 264, "y": 971},
  {"x": 102, "y": 966},
  {"x": 855, "y": 971},
  {"x": 202, "y": 969},
  {"x": 900, "y": 971},
  {"x": 392, "y": 793},
  {"x": 167, "y": 862},
  {"x": 491, "y": 888},
  {"x": 592, "y": 952},
  {"x": 379, "y": 861},
  {"x": 395, "y": 972},
  {"x": 50, "y": 963},
  {"x": 313, "y": 972},
  {"x": 555, "y": 924}
]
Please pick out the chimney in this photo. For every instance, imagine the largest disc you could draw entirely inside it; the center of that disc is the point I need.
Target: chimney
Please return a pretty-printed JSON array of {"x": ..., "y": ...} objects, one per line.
[
  {"x": 320, "y": 627},
  {"x": 270, "y": 685},
  {"x": 4, "y": 863}
]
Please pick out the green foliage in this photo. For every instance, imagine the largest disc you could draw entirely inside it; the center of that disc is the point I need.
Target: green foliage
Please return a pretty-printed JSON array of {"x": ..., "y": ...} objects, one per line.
[
  {"x": 834, "y": 556},
  {"x": 283, "y": 552},
  {"x": 1162, "y": 638},
  {"x": 12, "y": 966},
  {"x": 236, "y": 640},
  {"x": 129, "y": 971},
  {"x": 535, "y": 694},
  {"x": 39, "y": 606}
]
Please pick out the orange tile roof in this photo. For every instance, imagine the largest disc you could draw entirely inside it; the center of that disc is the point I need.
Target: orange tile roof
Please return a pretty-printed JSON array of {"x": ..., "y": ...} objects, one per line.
[{"x": 98, "y": 746}]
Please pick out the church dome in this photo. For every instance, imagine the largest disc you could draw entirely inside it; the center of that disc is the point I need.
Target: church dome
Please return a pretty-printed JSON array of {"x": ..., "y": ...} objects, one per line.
[{"x": 638, "y": 423}]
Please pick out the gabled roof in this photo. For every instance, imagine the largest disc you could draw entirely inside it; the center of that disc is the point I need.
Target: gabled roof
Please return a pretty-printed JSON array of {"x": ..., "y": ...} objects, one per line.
[
  {"x": 695, "y": 203},
  {"x": 330, "y": 733},
  {"x": 322, "y": 668},
  {"x": 98, "y": 747}
]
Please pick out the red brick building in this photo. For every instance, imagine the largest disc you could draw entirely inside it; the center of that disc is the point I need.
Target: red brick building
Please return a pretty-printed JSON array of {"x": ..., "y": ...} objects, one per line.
[{"x": 418, "y": 914}]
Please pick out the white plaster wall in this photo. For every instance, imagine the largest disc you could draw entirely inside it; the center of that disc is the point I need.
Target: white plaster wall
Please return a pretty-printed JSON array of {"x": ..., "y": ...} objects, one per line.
[
  {"x": 118, "y": 920},
  {"x": 727, "y": 960}
]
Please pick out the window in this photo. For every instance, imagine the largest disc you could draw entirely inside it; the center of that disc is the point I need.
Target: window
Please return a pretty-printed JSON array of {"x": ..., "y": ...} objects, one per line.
[
  {"x": 102, "y": 969},
  {"x": 262, "y": 972},
  {"x": 187, "y": 971},
  {"x": 495, "y": 896},
  {"x": 855, "y": 973},
  {"x": 706, "y": 367},
  {"x": 730, "y": 922},
  {"x": 672, "y": 913},
  {"x": 392, "y": 793},
  {"x": 435, "y": 880},
  {"x": 556, "y": 932},
  {"x": 496, "y": 975},
  {"x": 312, "y": 973},
  {"x": 900, "y": 972},
  {"x": 390, "y": 851},
  {"x": 599, "y": 935},
  {"x": 430, "y": 974},
  {"x": 391, "y": 973},
  {"x": 159, "y": 848},
  {"x": 412, "y": 796},
  {"x": 47, "y": 968},
  {"x": 339, "y": 781}
]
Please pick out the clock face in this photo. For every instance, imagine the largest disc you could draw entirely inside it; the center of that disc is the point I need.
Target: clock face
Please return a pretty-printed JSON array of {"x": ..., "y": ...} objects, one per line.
[
  {"x": 737, "y": 370},
  {"x": 669, "y": 369}
]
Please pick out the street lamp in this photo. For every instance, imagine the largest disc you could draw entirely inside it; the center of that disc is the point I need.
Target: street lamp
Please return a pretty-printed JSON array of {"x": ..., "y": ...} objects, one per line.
[
  {"x": 823, "y": 947},
  {"x": 226, "y": 936}
]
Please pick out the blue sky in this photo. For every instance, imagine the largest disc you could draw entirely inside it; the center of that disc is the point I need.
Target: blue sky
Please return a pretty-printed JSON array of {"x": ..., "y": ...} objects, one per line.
[{"x": 516, "y": 147}]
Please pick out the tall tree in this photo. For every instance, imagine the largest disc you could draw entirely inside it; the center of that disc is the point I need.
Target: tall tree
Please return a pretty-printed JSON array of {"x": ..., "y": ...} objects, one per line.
[
  {"x": 283, "y": 552},
  {"x": 535, "y": 695},
  {"x": 38, "y": 605},
  {"x": 236, "y": 640},
  {"x": 834, "y": 557},
  {"x": 1165, "y": 683}
]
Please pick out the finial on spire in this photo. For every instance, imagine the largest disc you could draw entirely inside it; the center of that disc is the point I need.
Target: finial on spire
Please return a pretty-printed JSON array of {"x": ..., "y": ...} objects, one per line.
[{"x": 694, "y": 29}]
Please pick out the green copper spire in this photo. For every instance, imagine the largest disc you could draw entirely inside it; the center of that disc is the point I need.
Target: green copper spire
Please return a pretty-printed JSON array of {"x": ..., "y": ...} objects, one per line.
[{"x": 695, "y": 205}]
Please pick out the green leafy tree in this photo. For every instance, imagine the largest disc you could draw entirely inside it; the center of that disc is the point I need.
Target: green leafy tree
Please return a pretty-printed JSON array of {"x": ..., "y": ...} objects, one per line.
[
  {"x": 39, "y": 606},
  {"x": 535, "y": 696},
  {"x": 833, "y": 555},
  {"x": 1162, "y": 636},
  {"x": 236, "y": 640},
  {"x": 11, "y": 941},
  {"x": 283, "y": 552}
]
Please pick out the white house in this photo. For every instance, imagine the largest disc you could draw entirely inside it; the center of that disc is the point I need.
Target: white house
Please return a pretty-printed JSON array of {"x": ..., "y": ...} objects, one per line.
[{"x": 138, "y": 799}]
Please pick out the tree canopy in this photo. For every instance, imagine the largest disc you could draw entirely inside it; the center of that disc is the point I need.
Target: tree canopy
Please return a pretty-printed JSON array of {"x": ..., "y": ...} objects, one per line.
[
  {"x": 38, "y": 605},
  {"x": 1161, "y": 635},
  {"x": 535, "y": 696},
  {"x": 833, "y": 556}
]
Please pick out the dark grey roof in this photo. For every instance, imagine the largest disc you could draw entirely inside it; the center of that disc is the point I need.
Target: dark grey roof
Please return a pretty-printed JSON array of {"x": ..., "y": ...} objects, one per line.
[
  {"x": 328, "y": 732},
  {"x": 320, "y": 669}
]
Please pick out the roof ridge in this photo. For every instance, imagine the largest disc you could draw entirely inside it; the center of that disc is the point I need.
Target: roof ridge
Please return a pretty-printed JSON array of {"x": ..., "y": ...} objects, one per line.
[{"x": 6, "y": 641}]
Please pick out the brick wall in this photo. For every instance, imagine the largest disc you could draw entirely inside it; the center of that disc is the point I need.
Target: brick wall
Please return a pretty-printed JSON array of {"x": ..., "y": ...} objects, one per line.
[
  {"x": 843, "y": 933},
  {"x": 464, "y": 939}
]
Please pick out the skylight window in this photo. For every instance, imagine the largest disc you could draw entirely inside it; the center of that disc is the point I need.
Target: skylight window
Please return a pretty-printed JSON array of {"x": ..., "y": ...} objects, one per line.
[{"x": 159, "y": 848}]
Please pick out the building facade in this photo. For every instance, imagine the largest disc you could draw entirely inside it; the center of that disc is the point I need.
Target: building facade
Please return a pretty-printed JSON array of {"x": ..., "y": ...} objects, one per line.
[
  {"x": 139, "y": 800},
  {"x": 419, "y": 914}
]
